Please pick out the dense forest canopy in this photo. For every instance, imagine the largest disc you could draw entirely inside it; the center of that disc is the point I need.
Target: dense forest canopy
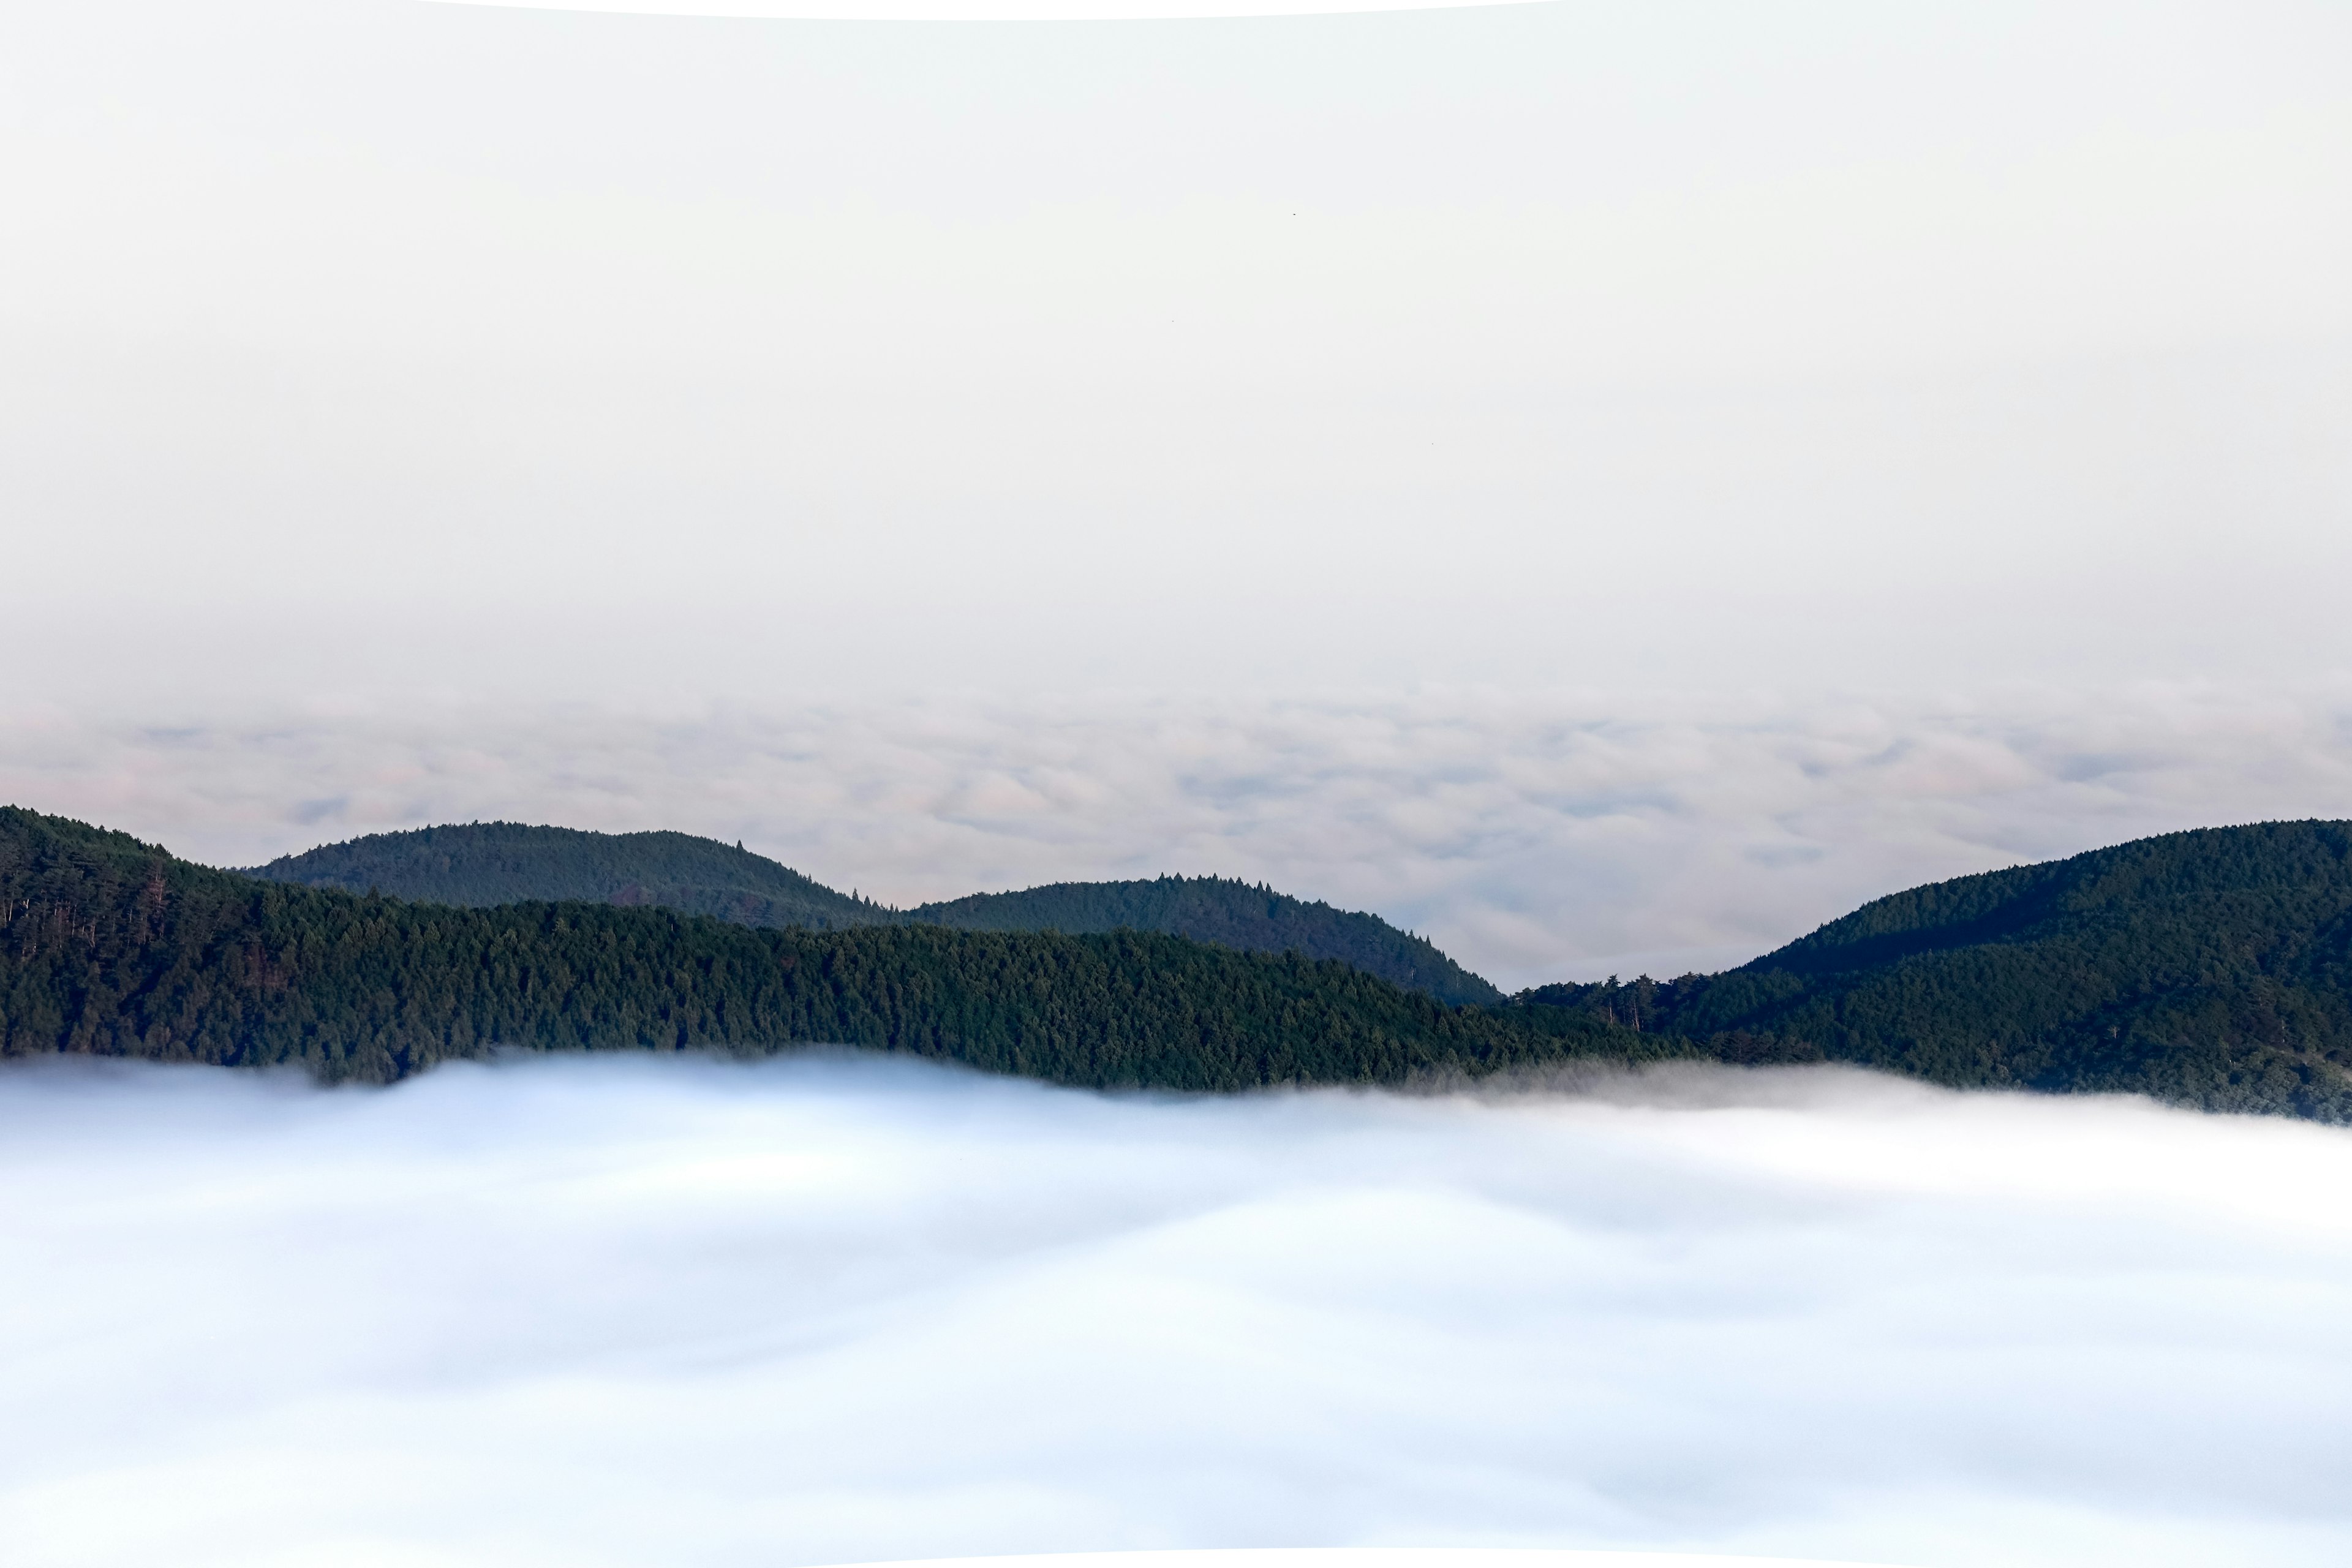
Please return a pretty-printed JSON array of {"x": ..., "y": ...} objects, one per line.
[
  {"x": 479, "y": 864},
  {"x": 483, "y": 864},
  {"x": 1228, "y": 912},
  {"x": 111, "y": 946},
  {"x": 2212, "y": 968}
]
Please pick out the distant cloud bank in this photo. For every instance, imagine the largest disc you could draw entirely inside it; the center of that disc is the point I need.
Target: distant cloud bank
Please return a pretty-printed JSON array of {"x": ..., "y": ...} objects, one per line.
[
  {"x": 1534, "y": 837},
  {"x": 614, "y": 1311}
]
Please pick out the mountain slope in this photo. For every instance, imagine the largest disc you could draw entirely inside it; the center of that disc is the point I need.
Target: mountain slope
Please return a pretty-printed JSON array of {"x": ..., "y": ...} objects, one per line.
[
  {"x": 109, "y": 946},
  {"x": 1228, "y": 912},
  {"x": 477, "y": 865},
  {"x": 2211, "y": 967}
]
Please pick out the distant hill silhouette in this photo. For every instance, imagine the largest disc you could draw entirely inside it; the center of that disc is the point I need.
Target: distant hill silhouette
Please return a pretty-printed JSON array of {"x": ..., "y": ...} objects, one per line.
[
  {"x": 1227, "y": 912},
  {"x": 479, "y": 864},
  {"x": 112, "y": 947},
  {"x": 2211, "y": 967}
]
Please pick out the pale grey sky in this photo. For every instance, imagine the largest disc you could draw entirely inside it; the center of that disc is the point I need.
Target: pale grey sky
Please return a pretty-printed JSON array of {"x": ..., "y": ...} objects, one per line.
[{"x": 551, "y": 352}]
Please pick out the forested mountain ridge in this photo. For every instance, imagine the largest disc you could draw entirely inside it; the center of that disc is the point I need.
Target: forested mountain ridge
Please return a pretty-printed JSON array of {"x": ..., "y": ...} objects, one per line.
[
  {"x": 2210, "y": 967},
  {"x": 479, "y": 864},
  {"x": 112, "y": 947},
  {"x": 1228, "y": 912},
  {"x": 483, "y": 864}
]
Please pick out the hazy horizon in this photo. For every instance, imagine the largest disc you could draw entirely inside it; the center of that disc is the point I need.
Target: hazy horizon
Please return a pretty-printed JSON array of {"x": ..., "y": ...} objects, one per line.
[
  {"x": 1532, "y": 835},
  {"x": 1611, "y": 488}
]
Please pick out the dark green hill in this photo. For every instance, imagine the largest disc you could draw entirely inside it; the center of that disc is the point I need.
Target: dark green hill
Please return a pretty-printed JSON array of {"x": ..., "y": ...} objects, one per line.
[
  {"x": 479, "y": 864},
  {"x": 109, "y": 946},
  {"x": 482, "y": 864},
  {"x": 1228, "y": 912},
  {"x": 2213, "y": 968}
]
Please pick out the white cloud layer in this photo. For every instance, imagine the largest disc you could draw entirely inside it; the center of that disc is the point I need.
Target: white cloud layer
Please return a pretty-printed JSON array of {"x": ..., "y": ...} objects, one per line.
[
  {"x": 598, "y": 1312},
  {"x": 1533, "y": 835}
]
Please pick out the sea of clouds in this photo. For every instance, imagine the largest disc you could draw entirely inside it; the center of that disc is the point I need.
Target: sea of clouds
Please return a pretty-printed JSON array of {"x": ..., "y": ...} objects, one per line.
[
  {"x": 622, "y": 1310},
  {"x": 1534, "y": 835}
]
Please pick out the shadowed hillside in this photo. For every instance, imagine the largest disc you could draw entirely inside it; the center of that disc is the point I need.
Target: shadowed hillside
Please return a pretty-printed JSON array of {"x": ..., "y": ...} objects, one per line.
[
  {"x": 477, "y": 865},
  {"x": 2212, "y": 967},
  {"x": 1228, "y": 912},
  {"x": 111, "y": 947}
]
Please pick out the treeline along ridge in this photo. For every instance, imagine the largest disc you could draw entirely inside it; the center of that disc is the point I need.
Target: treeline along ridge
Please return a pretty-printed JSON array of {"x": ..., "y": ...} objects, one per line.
[
  {"x": 2212, "y": 968},
  {"x": 114, "y": 947}
]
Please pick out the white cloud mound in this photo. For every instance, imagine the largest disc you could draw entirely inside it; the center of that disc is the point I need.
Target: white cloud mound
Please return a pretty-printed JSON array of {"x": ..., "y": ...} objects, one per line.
[{"x": 622, "y": 1310}]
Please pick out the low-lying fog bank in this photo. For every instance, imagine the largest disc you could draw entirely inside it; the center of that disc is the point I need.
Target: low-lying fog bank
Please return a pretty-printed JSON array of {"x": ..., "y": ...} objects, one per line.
[{"x": 609, "y": 1310}]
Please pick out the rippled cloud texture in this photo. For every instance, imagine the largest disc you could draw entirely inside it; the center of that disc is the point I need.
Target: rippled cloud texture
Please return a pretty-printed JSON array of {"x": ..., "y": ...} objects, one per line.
[
  {"x": 608, "y": 1312},
  {"x": 1536, "y": 837}
]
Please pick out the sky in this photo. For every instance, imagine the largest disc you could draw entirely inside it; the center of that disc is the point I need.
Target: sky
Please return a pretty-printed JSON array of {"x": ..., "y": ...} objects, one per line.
[
  {"x": 599, "y": 1311},
  {"x": 362, "y": 346},
  {"x": 1610, "y": 487}
]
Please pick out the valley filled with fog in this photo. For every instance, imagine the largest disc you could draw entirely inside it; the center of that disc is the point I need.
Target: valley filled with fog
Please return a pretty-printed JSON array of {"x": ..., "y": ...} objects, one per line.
[{"x": 829, "y": 1308}]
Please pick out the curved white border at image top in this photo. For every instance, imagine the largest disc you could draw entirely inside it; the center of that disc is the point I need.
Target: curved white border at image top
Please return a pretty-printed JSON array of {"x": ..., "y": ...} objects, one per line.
[
  {"x": 982, "y": 10},
  {"x": 1378, "y": 1557}
]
